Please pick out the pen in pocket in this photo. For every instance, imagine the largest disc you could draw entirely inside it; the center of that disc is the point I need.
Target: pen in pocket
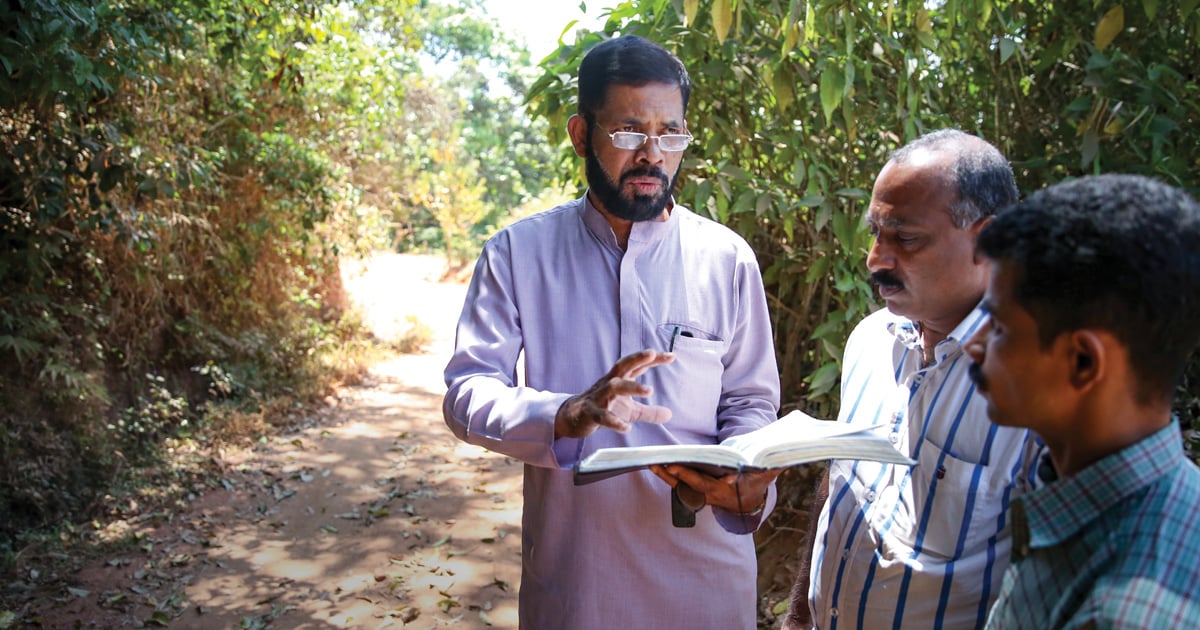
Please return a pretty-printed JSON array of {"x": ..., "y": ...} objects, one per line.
[{"x": 674, "y": 334}]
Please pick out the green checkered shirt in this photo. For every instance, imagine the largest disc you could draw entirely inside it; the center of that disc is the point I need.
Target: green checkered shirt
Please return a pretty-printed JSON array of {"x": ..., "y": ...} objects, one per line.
[{"x": 1115, "y": 546}]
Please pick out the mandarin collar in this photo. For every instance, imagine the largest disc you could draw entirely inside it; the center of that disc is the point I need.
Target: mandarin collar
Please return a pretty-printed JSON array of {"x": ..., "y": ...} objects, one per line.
[{"x": 642, "y": 232}]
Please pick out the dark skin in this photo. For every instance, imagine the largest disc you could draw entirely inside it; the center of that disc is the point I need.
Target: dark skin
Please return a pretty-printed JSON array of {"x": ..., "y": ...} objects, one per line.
[
  {"x": 610, "y": 403},
  {"x": 1078, "y": 393},
  {"x": 653, "y": 109},
  {"x": 799, "y": 616},
  {"x": 933, "y": 278}
]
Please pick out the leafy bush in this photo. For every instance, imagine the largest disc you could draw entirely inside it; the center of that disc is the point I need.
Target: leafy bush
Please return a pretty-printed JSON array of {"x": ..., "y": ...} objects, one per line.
[
  {"x": 159, "y": 211},
  {"x": 797, "y": 104}
]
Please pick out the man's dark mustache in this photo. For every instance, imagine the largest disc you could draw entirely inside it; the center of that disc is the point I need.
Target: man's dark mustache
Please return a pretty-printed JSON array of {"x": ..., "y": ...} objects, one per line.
[
  {"x": 975, "y": 373},
  {"x": 886, "y": 279},
  {"x": 646, "y": 172}
]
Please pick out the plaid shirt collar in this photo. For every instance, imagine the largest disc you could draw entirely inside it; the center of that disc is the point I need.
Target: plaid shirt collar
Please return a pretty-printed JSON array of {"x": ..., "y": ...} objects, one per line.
[{"x": 1058, "y": 510}]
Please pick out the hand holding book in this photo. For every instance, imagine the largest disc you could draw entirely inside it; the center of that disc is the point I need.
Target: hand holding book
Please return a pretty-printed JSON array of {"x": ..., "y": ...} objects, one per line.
[{"x": 794, "y": 439}]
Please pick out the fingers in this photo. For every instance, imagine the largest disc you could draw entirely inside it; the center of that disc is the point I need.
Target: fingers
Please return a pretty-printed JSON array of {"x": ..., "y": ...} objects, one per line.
[
  {"x": 625, "y": 411},
  {"x": 736, "y": 492},
  {"x": 609, "y": 402},
  {"x": 651, "y": 413},
  {"x": 694, "y": 478},
  {"x": 624, "y": 387},
  {"x": 636, "y": 364},
  {"x": 661, "y": 472},
  {"x": 762, "y": 478}
]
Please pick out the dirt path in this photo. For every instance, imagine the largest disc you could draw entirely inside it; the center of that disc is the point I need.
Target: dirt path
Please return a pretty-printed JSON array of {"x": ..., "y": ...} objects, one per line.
[{"x": 374, "y": 518}]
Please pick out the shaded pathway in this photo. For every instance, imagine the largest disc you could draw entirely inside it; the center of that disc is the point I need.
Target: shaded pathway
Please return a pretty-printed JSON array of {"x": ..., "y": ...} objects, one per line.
[{"x": 376, "y": 517}]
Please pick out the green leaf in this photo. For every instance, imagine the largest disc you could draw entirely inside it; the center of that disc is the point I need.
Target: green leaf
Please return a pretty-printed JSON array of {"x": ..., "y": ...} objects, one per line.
[
  {"x": 744, "y": 202},
  {"x": 782, "y": 85},
  {"x": 1007, "y": 48},
  {"x": 691, "y": 8},
  {"x": 1089, "y": 149},
  {"x": 704, "y": 191},
  {"x": 833, "y": 82},
  {"x": 790, "y": 28},
  {"x": 1081, "y": 104},
  {"x": 853, "y": 193},
  {"x": 722, "y": 16},
  {"x": 763, "y": 204},
  {"x": 1151, "y": 8},
  {"x": 823, "y": 380},
  {"x": 1109, "y": 27},
  {"x": 843, "y": 229}
]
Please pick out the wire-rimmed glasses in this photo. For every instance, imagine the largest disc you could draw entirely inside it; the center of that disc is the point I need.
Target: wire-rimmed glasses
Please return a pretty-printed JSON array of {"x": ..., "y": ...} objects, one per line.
[{"x": 671, "y": 142}]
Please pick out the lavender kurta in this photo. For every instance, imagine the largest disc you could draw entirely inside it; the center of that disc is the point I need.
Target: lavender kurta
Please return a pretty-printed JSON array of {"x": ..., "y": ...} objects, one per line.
[{"x": 557, "y": 286}]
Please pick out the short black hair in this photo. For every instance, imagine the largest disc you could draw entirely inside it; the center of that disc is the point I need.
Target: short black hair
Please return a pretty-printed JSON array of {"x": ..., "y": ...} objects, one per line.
[
  {"x": 627, "y": 60},
  {"x": 1119, "y": 253},
  {"x": 980, "y": 173}
]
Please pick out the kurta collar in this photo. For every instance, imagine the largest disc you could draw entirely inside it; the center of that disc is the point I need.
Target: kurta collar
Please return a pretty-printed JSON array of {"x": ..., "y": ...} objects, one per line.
[{"x": 642, "y": 232}]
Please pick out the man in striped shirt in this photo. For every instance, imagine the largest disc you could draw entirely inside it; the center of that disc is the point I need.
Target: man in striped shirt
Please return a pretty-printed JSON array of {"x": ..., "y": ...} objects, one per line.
[
  {"x": 1095, "y": 306},
  {"x": 922, "y": 546}
]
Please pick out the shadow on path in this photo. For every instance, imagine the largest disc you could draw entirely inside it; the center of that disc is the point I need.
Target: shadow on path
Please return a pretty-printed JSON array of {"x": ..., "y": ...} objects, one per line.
[{"x": 376, "y": 517}]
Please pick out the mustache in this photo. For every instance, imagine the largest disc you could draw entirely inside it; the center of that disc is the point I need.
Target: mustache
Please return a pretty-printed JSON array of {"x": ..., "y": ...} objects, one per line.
[
  {"x": 975, "y": 373},
  {"x": 646, "y": 171},
  {"x": 886, "y": 279}
]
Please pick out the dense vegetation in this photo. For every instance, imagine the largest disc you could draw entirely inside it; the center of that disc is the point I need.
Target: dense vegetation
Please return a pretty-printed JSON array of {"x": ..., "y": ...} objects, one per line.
[
  {"x": 797, "y": 103},
  {"x": 179, "y": 180}
]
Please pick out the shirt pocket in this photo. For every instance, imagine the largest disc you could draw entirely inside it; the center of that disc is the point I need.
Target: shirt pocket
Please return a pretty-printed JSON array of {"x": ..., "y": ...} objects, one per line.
[
  {"x": 693, "y": 380},
  {"x": 949, "y": 508}
]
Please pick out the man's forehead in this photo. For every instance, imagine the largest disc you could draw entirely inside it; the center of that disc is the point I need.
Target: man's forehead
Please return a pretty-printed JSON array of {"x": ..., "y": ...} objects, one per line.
[{"x": 656, "y": 95}]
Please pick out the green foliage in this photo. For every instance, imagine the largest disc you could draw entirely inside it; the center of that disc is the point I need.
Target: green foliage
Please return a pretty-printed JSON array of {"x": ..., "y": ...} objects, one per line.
[
  {"x": 168, "y": 200},
  {"x": 468, "y": 132},
  {"x": 156, "y": 413},
  {"x": 797, "y": 104},
  {"x": 178, "y": 183}
]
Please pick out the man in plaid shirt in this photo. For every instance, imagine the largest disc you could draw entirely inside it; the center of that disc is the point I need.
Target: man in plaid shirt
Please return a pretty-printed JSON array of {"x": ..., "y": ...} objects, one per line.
[{"x": 1094, "y": 299}]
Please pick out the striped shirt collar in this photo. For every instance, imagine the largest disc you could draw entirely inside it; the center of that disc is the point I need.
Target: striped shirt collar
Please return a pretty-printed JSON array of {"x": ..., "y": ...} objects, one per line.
[
  {"x": 1059, "y": 510},
  {"x": 908, "y": 333}
]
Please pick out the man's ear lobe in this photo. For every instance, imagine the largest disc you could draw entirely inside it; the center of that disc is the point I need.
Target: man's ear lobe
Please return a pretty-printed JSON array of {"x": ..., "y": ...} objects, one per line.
[{"x": 1089, "y": 358}]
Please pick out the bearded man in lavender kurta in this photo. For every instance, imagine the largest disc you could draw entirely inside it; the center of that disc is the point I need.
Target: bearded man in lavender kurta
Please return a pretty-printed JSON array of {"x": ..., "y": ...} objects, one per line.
[{"x": 596, "y": 293}]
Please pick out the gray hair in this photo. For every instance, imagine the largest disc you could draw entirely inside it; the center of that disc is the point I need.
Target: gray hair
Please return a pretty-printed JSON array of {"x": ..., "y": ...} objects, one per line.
[{"x": 981, "y": 174}]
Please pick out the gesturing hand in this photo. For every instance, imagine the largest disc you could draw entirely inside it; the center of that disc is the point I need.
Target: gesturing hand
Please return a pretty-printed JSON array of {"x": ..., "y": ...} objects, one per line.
[{"x": 609, "y": 403}]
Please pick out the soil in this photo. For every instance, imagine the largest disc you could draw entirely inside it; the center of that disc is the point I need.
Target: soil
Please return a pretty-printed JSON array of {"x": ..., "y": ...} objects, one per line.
[{"x": 372, "y": 516}]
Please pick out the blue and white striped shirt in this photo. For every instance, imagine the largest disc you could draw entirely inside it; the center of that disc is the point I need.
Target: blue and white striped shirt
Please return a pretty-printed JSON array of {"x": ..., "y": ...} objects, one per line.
[
  {"x": 922, "y": 546},
  {"x": 1113, "y": 546}
]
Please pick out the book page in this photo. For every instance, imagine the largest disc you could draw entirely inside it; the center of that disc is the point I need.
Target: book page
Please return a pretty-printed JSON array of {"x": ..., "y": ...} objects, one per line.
[
  {"x": 664, "y": 454},
  {"x": 794, "y": 428}
]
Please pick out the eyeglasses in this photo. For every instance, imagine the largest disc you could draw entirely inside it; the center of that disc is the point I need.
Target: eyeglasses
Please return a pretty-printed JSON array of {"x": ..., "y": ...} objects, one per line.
[{"x": 673, "y": 142}]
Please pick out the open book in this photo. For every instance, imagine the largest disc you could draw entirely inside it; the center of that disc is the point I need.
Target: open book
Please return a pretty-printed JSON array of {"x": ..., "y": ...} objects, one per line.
[{"x": 796, "y": 438}]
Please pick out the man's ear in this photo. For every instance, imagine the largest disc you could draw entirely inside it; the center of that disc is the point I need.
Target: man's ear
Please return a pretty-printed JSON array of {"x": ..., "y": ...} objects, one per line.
[
  {"x": 577, "y": 128},
  {"x": 978, "y": 226},
  {"x": 1088, "y": 356},
  {"x": 974, "y": 229}
]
